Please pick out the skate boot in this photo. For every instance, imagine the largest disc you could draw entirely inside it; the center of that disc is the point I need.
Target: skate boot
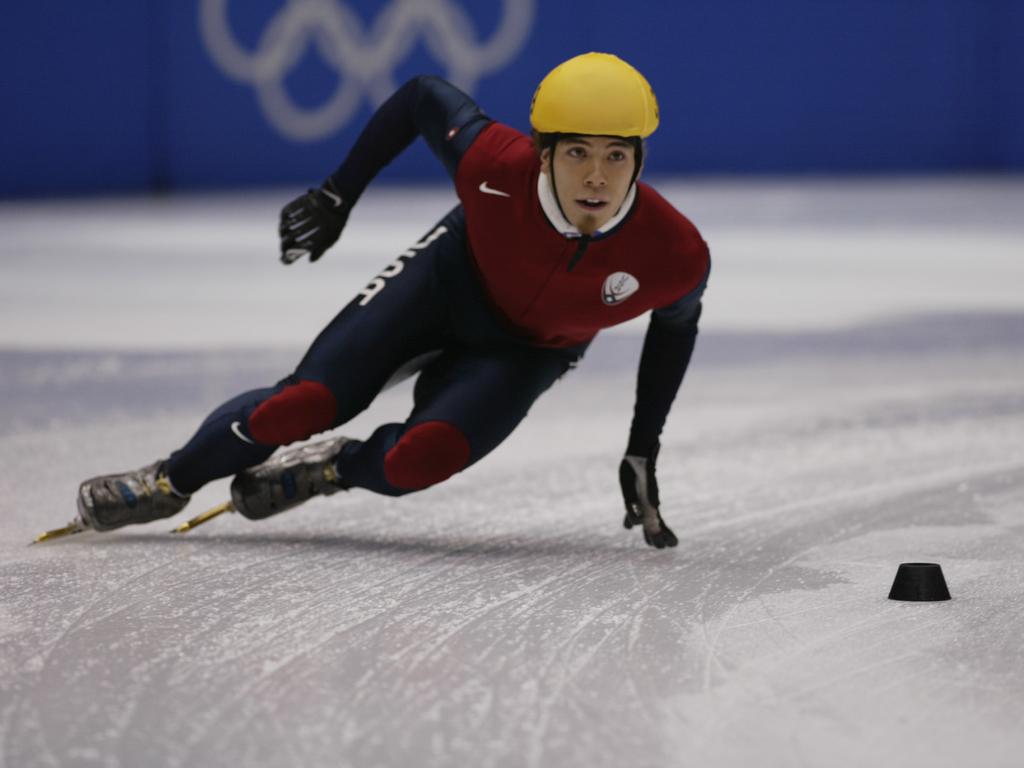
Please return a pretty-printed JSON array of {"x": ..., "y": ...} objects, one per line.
[
  {"x": 110, "y": 501},
  {"x": 288, "y": 479}
]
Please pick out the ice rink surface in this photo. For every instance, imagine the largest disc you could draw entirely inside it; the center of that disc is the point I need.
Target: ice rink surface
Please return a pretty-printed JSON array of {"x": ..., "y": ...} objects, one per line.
[{"x": 856, "y": 401}]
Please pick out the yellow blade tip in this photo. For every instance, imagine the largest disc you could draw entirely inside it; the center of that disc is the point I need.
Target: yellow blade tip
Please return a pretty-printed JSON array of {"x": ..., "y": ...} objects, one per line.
[
  {"x": 204, "y": 517},
  {"x": 57, "y": 533}
]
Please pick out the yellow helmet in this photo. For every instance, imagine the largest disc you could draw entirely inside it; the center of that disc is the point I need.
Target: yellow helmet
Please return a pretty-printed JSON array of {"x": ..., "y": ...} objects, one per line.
[{"x": 597, "y": 94}]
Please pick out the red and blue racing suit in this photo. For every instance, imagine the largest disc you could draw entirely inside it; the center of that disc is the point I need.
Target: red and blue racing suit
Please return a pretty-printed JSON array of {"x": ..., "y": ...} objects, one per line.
[{"x": 498, "y": 297}]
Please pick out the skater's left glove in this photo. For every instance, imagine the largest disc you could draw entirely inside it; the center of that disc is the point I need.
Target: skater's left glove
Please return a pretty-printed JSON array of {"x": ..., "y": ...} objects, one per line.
[
  {"x": 312, "y": 223},
  {"x": 640, "y": 493}
]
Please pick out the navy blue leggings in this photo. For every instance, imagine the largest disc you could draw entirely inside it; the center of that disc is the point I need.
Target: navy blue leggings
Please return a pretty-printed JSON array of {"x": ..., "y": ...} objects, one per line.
[{"x": 479, "y": 383}]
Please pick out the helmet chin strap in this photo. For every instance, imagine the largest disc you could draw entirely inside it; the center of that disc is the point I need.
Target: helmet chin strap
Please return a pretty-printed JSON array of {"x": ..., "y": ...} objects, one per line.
[{"x": 551, "y": 175}]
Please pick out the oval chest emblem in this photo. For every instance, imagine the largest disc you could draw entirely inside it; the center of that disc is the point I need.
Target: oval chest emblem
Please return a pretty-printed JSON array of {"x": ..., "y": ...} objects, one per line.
[{"x": 618, "y": 287}]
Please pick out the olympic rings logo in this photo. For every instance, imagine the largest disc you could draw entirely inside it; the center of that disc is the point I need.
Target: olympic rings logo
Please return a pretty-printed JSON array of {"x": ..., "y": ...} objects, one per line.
[{"x": 364, "y": 58}]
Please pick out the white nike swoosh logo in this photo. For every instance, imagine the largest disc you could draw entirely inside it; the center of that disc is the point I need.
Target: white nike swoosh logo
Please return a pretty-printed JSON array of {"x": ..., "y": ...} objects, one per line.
[
  {"x": 492, "y": 191},
  {"x": 236, "y": 427},
  {"x": 334, "y": 198}
]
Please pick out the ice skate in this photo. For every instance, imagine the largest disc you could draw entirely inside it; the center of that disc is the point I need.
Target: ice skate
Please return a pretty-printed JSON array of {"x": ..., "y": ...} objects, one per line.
[
  {"x": 128, "y": 498},
  {"x": 288, "y": 479}
]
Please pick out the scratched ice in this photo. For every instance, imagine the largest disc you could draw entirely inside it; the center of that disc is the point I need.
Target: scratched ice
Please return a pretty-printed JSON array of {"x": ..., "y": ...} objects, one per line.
[{"x": 856, "y": 402}]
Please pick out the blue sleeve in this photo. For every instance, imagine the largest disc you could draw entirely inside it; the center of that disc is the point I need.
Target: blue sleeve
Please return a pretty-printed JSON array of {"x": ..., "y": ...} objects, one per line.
[
  {"x": 426, "y": 106},
  {"x": 668, "y": 347}
]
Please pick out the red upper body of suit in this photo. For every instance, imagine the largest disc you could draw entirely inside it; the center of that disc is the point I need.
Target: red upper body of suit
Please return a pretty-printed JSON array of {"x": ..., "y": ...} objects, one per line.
[{"x": 522, "y": 259}]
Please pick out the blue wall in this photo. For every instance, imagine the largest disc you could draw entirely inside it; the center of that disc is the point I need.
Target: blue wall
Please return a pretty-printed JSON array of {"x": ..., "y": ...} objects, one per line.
[{"x": 131, "y": 94}]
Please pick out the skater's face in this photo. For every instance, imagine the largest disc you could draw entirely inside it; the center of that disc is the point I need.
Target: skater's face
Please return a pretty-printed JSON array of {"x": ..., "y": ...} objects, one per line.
[{"x": 592, "y": 177}]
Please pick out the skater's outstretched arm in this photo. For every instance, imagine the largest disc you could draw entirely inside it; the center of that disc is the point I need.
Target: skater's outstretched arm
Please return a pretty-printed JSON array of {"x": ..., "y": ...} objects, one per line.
[
  {"x": 668, "y": 346},
  {"x": 426, "y": 106}
]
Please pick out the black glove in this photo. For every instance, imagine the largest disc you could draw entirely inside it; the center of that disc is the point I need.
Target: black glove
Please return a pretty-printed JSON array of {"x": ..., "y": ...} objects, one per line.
[
  {"x": 311, "y": 223},
  {"x": 640, "y": 492}
]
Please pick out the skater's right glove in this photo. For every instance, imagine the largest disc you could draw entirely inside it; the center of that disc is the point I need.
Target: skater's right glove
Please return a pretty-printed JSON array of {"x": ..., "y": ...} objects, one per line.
[
  {"x": 640, "y": 493},
  {"x": 311, "y": 223}
]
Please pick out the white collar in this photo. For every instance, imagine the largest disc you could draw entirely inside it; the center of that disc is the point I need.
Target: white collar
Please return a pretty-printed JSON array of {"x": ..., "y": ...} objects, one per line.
[{"x": 549, "y": 204}]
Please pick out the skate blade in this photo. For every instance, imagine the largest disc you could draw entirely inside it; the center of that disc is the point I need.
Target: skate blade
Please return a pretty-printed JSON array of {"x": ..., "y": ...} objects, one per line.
[
  {"x": 75, "y": 526},
  {"x": 195, "y": 522}
]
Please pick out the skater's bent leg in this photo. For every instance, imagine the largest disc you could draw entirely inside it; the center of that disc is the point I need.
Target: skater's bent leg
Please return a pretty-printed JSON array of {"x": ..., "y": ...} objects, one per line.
[
  {"x": 334, "y": 382},
  {"x": 466, "y": 405},
  {"x": 248, "y": 428}
]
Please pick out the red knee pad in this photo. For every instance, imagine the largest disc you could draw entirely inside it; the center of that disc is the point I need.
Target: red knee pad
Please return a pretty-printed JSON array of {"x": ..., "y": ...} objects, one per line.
[
  {"x": 425, "y": 455},
  {"x": 295, "y": 413}
]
